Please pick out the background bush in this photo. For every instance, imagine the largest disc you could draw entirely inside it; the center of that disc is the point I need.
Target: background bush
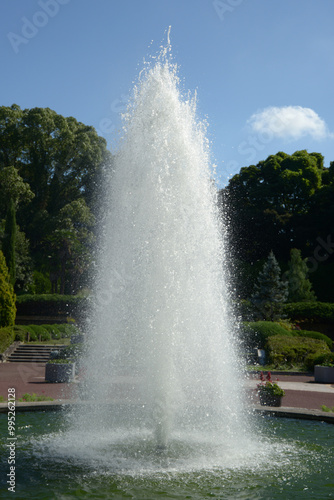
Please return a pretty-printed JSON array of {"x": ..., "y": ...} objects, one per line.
[
  {"x": 294, "y": 351},
  {"x": 315, "y": 335},
  {"x": 50, "y": 305},
  {"x": 315, "y": 311},
  {"x": 7, "y": 296},
  {"x": 44, "y": 332},
  {"x": 256, "y": 333},
  {"x": 6, "y": 337}
]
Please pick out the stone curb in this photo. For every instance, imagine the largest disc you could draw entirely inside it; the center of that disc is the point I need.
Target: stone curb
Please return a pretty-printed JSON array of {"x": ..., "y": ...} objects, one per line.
[
  {"x": 298, "y": 413},
  {"x": 284, "y": 412}
]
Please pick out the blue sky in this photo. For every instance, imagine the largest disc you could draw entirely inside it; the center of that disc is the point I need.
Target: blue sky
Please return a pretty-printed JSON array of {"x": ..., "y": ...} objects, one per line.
[{"x": 263, "y": 70}]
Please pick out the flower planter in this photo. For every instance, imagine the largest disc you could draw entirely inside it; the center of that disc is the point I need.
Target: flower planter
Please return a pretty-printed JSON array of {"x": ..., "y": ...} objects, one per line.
[
  {"x": 59, "y": 372},
  {"x": 270, "y": 400},
  {"x": 324, "y": 374}
]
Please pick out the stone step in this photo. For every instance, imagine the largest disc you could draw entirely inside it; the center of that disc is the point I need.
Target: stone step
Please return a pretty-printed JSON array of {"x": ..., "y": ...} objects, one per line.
[{"x": 25, "y": 353}]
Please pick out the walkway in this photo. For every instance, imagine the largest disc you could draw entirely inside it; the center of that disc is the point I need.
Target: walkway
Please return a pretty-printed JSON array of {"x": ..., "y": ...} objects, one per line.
[{"x": 301, "y": 391}]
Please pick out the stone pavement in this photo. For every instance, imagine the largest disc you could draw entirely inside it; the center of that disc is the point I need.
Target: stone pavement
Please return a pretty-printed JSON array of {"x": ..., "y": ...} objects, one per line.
[{"x": 301, "y": 390}]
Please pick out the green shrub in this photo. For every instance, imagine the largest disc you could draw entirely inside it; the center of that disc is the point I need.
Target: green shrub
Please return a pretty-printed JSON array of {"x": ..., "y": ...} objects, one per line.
[
  {"x": 67, "y": 330},
  {"x": 53, "y": 331},
  {"x": 325, "y": 359},
  {"x": 21, "y": 333},
  {"x": 49, "y": 305},
  {"x": 44, "y": 332},
  {"x": 310, "y": 310},
  {"x": 315, "y": 335},
  {"x": 6, "y": 337},
  {"x": 294, "y": 351},
  {"x": 41, "y": 283},
  {"x": 256, "y": 333},
  {"x": 7, "y": 296}
]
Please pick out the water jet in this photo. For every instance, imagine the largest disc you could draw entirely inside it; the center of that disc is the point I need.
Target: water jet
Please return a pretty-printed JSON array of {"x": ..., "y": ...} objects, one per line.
[{"x": 161, "y": 336}]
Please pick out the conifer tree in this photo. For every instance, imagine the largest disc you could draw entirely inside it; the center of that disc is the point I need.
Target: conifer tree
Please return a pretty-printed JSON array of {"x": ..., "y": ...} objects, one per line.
[
  {"x": 299, "y": 286},
  {"x": 270, "y": 291},
  {"x": 7, "y": 296},
  {"x": 8, "y": 246}
]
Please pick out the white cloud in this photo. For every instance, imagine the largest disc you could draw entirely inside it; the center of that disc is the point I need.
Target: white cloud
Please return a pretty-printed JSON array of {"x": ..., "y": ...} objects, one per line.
[{"x": 289, "y": 122}]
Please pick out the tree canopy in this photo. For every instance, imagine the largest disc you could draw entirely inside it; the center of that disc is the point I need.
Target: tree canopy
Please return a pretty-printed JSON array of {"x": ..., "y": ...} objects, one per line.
[
  {"x": 47, "y": 163},
  {"x": 283, "y": 202}
]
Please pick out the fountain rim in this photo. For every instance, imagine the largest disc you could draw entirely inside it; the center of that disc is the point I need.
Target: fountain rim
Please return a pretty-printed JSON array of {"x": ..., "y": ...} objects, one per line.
[{"x": 280, "y": 412}]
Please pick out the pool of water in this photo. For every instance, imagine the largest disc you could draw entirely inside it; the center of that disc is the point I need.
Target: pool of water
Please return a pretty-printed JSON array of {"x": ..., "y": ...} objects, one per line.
[{"x": 288, "y": 459}]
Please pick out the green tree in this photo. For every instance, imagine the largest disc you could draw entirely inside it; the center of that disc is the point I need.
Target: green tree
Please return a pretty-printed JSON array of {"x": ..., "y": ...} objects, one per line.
[
  {"x": 12, "y": 187},
  {"x": 9, "y": 242},
  {"x": 270, "y": 291},
  {"x": 47, "y": 162},
  {"x": 70, "y": 245},
  {"x": 7, "y": 296},
  {"x": 273, "y": 198},
  {"x": 299, "y": 286}
]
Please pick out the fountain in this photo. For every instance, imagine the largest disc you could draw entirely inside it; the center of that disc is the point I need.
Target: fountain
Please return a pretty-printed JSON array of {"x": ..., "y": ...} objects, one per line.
[
  {"x": 163, "y": 412},
  {"x": 161, "y": 335}
]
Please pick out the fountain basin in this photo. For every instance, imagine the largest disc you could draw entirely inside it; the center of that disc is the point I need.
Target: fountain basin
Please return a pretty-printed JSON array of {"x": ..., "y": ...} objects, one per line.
[{"x": 290, "y": 459}]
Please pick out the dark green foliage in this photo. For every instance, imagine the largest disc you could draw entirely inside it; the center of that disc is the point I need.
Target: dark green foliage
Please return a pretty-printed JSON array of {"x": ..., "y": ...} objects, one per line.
[
  {"x": 269, "y": 201},
  {"x": 310, "y": 310},
  {"x": 67, "y": 330},
  {"x": 26, "y": 333},
  {"x": 256, "y": 333},
  {"x": 49, "y": 305},
  {"x": 6, "y": 337},
  {"x": 270, "y": 291},
  {"x": 294, "y": 351},
  {"x": 7, "y": 296},
  {"x": 326, "y": 359},
  {"x": 283, "y": 202},
  {"x": 53, "y": 169},
  {"x": 9, "y": 241},
  {"x": 299, "y": 286},
  {"x": 315, "y": 335},
  {"x": 41, "y": 283}
]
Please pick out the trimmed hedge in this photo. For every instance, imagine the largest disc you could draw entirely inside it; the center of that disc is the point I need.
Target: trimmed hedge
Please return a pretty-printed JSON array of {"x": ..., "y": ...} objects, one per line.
[
  {"x": 310, "y": 311},
  {"x": 315, "y": 335},
  {"x": 295, "y": 351},
  {"x": 256, "y": 333},
  {"x": 50, "y": 304},
  {"x": 44, "y": 332}
]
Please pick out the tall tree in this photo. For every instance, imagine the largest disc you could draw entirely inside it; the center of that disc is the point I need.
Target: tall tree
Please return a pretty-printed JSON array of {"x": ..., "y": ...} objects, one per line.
[
  {"x": 7, "y": 296},
  {"x": 70, "y": 244},
  {"x": 9, "y": 242},
  {"x": 299, "y": 286},
  {"x": 270, "y": 291},
  {"x": 273, "y": 198}
]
